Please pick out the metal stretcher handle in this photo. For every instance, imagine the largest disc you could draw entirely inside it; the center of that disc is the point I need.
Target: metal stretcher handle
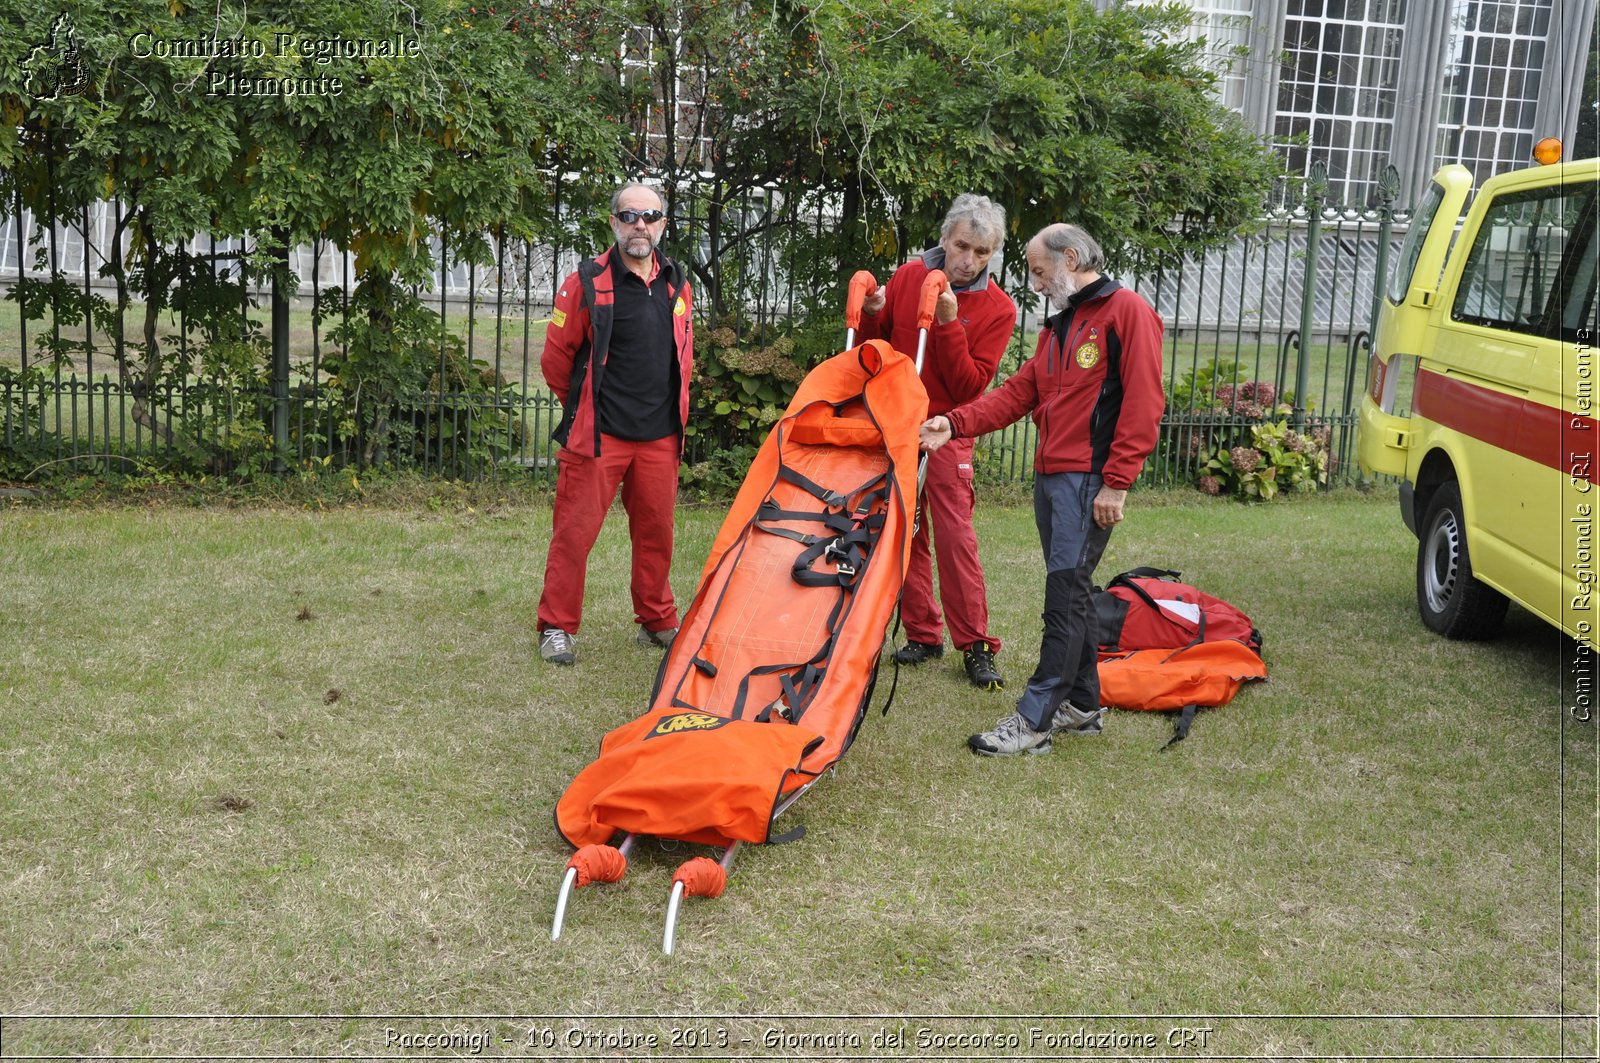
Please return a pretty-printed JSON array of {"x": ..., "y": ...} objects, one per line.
[
  {"x": 862, "y": 285},
  {"x": 932, "y": 286}
]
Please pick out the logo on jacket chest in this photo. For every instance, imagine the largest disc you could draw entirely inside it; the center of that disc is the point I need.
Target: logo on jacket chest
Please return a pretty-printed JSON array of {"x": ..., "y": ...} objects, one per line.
[{"x": 1088, "y": 353}]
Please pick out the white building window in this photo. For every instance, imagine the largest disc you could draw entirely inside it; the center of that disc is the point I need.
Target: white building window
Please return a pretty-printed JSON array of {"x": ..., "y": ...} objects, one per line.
[
  {"x": 1225, "y": 26},
  {"x": 1336, "y": 92},
  {"x": 1493, "y": 66}
]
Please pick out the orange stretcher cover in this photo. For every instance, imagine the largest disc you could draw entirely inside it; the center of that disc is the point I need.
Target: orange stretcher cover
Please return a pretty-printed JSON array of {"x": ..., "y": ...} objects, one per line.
[{"x": 699, "y": 765}]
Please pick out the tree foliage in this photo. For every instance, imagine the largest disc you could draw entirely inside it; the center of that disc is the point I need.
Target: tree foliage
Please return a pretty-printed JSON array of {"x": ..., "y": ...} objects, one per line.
[
  {"x": 390, "y": 131},
  {"x": 884, "y": 110},
  {"x": 1056, "y": 110},
  {"x": 799, "y": 140}
]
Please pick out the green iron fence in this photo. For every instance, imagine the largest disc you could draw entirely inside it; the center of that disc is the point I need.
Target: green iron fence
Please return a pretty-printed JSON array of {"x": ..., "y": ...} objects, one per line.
[{"x": 1291, "y": 306}]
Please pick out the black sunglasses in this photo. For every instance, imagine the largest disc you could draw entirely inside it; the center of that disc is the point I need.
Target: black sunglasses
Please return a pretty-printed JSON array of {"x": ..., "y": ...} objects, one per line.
[{"x": 628, "y": 217}]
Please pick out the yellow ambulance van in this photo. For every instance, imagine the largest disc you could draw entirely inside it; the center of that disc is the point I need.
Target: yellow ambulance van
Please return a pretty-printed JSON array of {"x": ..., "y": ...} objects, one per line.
[{"x": 1481, "y": 395}]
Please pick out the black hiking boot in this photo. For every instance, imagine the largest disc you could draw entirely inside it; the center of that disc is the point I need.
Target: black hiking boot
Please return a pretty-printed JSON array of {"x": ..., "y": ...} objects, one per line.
[
  {"x": 917, "y": 652},
  {"x": 979, "y": 660}
]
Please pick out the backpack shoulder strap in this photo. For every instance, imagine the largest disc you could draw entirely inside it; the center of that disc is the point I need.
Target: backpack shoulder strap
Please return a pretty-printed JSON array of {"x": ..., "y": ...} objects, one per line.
[{"x": 1147, "y": 572}]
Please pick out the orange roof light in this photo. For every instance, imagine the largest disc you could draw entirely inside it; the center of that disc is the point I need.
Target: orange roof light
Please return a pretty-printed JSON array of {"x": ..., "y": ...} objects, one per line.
[{"x": 1547, "y": 151}]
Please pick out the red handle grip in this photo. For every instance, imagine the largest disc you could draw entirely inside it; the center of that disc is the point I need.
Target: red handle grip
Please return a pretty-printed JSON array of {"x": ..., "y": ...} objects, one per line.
[
  {"x": 862, "y": 285},
  {"x": 932, "y": 286}
]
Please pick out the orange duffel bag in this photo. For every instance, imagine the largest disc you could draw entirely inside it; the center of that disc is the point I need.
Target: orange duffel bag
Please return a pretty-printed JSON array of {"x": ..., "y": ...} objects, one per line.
[{"x": 1206, "y": 674}]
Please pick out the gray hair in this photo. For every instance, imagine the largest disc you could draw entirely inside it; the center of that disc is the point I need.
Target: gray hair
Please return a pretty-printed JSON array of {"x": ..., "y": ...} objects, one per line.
[
  {"x": 1062, "y": 237},
  {"x": 987, "y": 218},
  {"x": 616, "y": 197}
]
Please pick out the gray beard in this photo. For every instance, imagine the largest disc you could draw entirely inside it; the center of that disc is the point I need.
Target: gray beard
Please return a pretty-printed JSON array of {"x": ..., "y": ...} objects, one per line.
[
  {"x": 1061, "y": 289},
  {"x": 639, "y": 247}
]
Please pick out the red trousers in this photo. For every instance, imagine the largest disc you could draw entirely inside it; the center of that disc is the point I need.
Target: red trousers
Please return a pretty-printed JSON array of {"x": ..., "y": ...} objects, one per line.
[
  {"x": 945, "y": 509},
  {"x": 585, "y": 487}
]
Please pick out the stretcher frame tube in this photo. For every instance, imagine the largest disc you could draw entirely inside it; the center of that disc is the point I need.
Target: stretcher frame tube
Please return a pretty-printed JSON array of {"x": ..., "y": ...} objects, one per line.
[
  {"x": 674, "y": 901},
  {"x": 566, "y": 888}
]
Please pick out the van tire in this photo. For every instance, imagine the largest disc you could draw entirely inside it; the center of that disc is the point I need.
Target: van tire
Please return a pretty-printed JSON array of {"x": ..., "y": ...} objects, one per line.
[{"x": 1451, "y": 599}]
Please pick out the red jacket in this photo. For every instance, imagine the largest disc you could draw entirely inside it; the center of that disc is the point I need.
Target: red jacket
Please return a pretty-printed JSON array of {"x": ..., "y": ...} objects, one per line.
[
  {"x": 962, "y": 356},
  {"x": 1093, "y": 386},
  {"x": 578, "y": 339}
]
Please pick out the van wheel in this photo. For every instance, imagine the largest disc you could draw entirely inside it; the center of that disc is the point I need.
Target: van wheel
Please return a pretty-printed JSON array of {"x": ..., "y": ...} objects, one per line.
[{"x": 1451, "y": 599}]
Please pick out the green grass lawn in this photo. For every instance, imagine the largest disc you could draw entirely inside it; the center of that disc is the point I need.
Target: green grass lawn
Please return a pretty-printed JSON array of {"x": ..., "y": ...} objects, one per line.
[
  {"x": 290, "y": 764},
  {"x": 510, "y": 342}
]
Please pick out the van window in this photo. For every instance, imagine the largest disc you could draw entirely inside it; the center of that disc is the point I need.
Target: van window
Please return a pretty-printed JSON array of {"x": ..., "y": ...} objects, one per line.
[
  {"x": 1411, "y": 250},
  {"x": 1514, "y": 277},
  {"x": 1580, "y": 311}
]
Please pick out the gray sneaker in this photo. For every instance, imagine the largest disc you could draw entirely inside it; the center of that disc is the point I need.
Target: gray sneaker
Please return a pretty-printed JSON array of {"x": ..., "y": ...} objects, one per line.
[
  {"x": 1010, "y": 736},
  {"x": 557, "y": 646},
  {"x": 662, "y": 639},
  {"x": 1071, "y": 720}
]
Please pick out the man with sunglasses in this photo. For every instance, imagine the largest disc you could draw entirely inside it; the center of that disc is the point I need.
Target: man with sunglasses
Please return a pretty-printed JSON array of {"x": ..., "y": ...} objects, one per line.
[{"x": 618, "y": 353}]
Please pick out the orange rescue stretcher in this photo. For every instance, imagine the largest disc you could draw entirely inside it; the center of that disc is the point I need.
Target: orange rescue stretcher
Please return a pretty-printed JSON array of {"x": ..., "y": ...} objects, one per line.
[{"x": 775, "y": 660}]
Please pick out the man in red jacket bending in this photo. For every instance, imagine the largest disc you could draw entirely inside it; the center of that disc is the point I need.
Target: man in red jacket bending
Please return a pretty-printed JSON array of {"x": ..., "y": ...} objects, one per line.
[
  {"x": 1093, "y": 386},
  {"x": 973, "y": 323},
  {"x": 618, "y": 353}
]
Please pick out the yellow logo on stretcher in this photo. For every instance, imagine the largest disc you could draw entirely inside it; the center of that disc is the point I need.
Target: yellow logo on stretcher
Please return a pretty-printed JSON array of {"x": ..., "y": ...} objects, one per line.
[{"x": 686, "y": 721}]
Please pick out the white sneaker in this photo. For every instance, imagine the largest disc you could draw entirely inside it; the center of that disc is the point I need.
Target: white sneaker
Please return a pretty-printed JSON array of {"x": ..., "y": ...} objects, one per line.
[
  {"x": 1071, "y": 720},
  {"x": 558, "y": 647},
  {"x": 1010, "y": 736}
]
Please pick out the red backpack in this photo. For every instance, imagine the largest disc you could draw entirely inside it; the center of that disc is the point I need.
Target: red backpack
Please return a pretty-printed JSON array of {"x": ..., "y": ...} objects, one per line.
[
  {"x": 1168, "y": 645},
  {"x": 1147, "y": 608}
]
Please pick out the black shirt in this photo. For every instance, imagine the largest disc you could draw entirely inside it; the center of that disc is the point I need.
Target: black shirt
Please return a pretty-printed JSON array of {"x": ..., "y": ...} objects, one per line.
[{"x": 639, "y": 391}]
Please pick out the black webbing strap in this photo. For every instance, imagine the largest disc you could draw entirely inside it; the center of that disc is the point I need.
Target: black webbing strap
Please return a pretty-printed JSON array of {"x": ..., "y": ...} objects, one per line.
[
  {"x": 1126, "y": 580},
  {"x": 803, "y": 678},
  {"x": 828, "y": 497},
  {"x": 1146, "y": 572},
  {"x": 894, "y": 683},
  {"x": 785, "y": 793},
  {"x": 811, "y": 487},
  {"x": 1180, "y": 726},
  {"x": 847, "y": 551},
  {"x": 835, "y": 521}
]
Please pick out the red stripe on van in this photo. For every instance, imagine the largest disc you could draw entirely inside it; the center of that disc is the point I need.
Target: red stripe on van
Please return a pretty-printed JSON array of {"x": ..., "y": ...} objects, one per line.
[{"x": 1554, "y": 438}]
